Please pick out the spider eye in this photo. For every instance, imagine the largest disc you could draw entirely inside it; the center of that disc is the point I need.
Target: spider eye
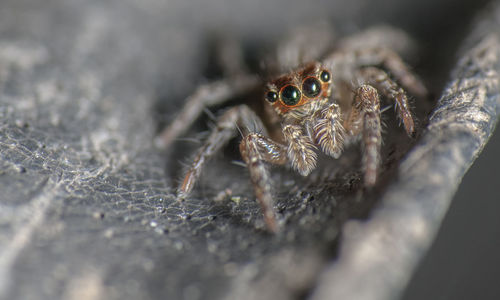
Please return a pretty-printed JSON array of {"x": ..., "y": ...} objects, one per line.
[
  {"x": 325, "y": 76},
  {"x": 271, "y": 96},
  {"x": 290, "y": 95},
  {"x": 311, "y": 87}
]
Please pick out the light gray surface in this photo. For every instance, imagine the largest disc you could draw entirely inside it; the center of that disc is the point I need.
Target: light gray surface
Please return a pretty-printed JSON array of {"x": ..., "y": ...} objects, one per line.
[{"x": 87, "y": 210}]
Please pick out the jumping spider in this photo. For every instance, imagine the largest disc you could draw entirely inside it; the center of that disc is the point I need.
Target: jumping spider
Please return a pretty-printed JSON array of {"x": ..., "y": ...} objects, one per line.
[{"x": 321, "y": 105}]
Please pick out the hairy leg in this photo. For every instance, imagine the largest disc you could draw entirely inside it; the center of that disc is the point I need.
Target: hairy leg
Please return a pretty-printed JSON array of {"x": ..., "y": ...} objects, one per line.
[
  {"x": 257, "y": 149},
  {"x": 345, "y": 62},
  {"x": 225, "y": 129},
  {"x": 301, "y": 151},
  {"x": 325, "y": 128},
  {"x": 364, "y": 119},
  {"x": 206, "y": 95},
  {"x": 381, "y": 81}
]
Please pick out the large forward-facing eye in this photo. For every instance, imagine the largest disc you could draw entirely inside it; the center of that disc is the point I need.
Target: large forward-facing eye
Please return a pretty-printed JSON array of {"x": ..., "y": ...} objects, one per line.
[
  {"x": 311, "y": 87},
  {"x": 290, "y": 95}
]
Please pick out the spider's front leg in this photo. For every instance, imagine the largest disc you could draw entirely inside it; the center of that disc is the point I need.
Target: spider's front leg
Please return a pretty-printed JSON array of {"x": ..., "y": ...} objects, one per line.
[
  {"x": 225, "y": 128},
  {"x": 325, "y": 128},
  {"x": 255, "y": 148},
  {"x": 300, "y": 151},
  {"x": 364, "y": 119}
]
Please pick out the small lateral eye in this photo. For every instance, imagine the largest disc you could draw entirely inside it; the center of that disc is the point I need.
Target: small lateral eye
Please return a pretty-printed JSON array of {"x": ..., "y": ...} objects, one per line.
[
  {"x": 325, "y": 76},
  {"x": 290, "y": 95},
  {"x": 271, "y": 96},
  {"x": 311, "y": 87}
]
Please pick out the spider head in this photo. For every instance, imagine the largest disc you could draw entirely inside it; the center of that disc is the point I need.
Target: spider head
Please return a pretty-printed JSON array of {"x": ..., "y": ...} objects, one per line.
[{"x": 293, "y": 90}]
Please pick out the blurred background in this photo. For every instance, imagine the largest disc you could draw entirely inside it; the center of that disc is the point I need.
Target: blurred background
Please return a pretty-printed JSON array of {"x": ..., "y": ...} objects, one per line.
[{"x": 463, "y": 262}]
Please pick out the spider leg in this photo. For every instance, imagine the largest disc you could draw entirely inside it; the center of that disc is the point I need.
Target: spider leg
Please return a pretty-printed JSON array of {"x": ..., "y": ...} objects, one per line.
[
  {"x": 381, "y": 81},
  {"x": 206, "y": 95},
  {"x": 345, "y": 60},
  {"x": 365, "y": 119},
  {"x": 301, "y": 151},
  {"x": 325, "y": 128},
  {"x": 257, "y": 149},
  {"x": 225, "y": 129},
  {"x": 227, "y": 125}
]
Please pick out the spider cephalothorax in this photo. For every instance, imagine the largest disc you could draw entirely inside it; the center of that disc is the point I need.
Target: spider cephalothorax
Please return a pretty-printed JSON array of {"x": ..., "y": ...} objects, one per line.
[
  {"x": 309, "y": 118},
  {"x": 292, "y": 91},
  {"x": 304, "y": 112}
]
